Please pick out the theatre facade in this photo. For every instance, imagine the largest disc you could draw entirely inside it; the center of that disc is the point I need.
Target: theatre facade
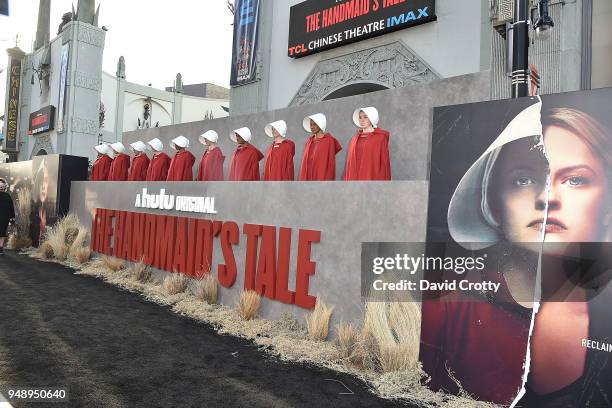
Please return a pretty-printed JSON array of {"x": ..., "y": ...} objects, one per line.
[{"x": 310, "y": 51}]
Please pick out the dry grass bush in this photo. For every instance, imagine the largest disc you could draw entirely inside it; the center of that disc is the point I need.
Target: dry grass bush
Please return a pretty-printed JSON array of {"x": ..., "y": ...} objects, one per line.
[
  {"x": 80, "y": 255},
  {"x": 206, "y": 289},
  {"x": 391, "y": 335},
  {"x": 70, "y": 235},
  {"x": 78, "y": 242},
  {"x": 45, "y": 250},
  {"x": 396, "y": 357},
  {"x": 367, "y": 352},
  {"x": 317, "y": 321},
  {"x": 248, "y": 304},
  {"x": 347, "y": 339},
  {"x": 58, "y": 245},
  {"x": 63, "y": 235},
  {"x": 175, "y": 283},
  {"x": 111, "y": 263},
  {"x": 20, "y": 237},
  {"x": 141, "y": 272}
]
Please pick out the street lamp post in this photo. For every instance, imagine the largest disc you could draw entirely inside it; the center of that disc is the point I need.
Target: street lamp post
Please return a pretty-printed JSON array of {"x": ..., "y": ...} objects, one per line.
[
  {"x": 520, "y": 42},
  {"x": 520, "y": 49}
]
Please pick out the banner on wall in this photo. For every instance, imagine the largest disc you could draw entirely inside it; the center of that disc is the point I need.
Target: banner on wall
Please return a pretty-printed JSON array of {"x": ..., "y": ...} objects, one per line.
[
  {"x": 12, "y": 105},
  {"x": 61, "y": 105},
  {"x": 244, "y": 50},
  {"x": 317, "y": 25},
  {"x": 526, "y": 186}
]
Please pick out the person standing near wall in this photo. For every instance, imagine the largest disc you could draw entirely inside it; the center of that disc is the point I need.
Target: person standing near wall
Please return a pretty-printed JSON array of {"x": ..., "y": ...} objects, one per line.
[
  {"x": 7, "y": 213},
  {"x": 160, "y": 162},
  {"x": 140, "y": 163},
  {"x": 181, "y": 166},
  {"x": 245, "y": 159},
  {"x": 102, "y": 165},
  {"x": 368, "y": 155},
  {"x": 319, "y": 159},
  {"x": 211, "y": 164},
  {"x": 121, "y": 164},
  {"x": 279, "y": 157}
]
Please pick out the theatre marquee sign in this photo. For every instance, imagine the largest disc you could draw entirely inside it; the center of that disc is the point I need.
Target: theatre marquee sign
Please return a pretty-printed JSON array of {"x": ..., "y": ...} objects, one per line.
[{"x": 317, "y": 25}]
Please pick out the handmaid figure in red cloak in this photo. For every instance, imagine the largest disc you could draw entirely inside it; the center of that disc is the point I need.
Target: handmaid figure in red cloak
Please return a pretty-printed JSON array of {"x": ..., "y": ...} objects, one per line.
[
  {"x": 101, "y": 167},
  {"x": 160, "y": 162},
  {"x": 279, "y": 157},
  {"x": 319, "y": 159},
  {"x": 211, "y": 164},
  {"x": 245, "y": 159},
  {"x": 368, "y": 155},
  {"x": 140, "y": 162},
  {"x": 181, "y": 166},
  {"x": 121, "y": 164}
]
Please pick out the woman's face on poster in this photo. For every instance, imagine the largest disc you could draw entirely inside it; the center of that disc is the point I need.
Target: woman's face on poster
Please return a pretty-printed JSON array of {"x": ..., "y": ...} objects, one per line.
[
  {"x": 44, "y": 185},
  {"x": 575, "y": 208}
]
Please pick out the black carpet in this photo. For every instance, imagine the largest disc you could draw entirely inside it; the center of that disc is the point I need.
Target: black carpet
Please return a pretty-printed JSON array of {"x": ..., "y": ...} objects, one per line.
[{"x": 111, "y": 348}]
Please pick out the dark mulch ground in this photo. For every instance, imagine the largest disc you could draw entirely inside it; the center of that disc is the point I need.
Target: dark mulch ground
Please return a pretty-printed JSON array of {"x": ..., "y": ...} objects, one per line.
[{"x": 114, "y": 349}]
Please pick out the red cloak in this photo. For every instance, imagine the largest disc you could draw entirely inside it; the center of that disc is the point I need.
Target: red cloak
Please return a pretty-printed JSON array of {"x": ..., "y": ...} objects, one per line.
[
  {"x": 480, "y": 343},
  {"x": 368, "y": 156},
  {"x": 279, "y": 161},
  {"x": 119, "y": 168},
  {"x": 245, "y": 164},
  {"x": 101, "y": 168},
  {"x": 140, "y": 165},
  {"x": 211, "y": 165},
  {"x": 319, "y": 160},
  {"x": 181, "y": 166},
  {"x": 158, "y": 168}
]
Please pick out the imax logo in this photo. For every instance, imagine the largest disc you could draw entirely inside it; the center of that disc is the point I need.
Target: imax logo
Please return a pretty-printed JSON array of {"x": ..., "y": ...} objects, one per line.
[{"x": 407, "y": 17}]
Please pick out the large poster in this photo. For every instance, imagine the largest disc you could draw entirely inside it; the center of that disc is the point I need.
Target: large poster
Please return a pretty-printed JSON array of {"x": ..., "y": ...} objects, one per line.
[
  {"x": 244, "y": 51},
  {"x": 44, "y": 182},
  {"x": 526, "y": 186},
  {"x": 45, "y": 172}
]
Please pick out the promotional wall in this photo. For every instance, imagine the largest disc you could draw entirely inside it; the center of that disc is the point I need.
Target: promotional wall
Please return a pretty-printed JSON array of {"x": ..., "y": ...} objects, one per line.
[
  {"x": 264, "y": 214},
  {"x": 523, "y": 188},
  {"x": 509, "y": 255},
  {"x": 294, "y": 242}
]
